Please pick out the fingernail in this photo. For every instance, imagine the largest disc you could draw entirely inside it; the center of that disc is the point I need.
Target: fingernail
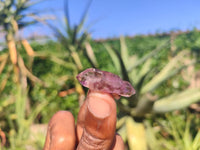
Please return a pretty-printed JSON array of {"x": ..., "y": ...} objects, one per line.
[{"x": 99, "y": 104}]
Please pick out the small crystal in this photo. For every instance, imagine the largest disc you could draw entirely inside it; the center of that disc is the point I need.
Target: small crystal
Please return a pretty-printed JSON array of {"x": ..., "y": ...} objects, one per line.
[{"x": 104, "y": 81}]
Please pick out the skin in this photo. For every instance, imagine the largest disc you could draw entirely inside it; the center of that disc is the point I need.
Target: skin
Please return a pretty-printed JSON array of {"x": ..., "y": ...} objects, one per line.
[{"x": 95, "y": 129}]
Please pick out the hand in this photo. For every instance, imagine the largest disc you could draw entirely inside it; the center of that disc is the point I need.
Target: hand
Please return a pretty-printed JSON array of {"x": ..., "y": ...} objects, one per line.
[{"x": 95, "y": 129}]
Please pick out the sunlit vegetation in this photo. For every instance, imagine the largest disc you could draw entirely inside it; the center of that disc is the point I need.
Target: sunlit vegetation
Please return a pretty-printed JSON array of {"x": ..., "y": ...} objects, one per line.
[{"x": 37, "y": 80}]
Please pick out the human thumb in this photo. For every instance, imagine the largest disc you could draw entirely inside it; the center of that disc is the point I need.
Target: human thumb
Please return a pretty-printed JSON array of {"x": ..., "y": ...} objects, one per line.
[{"x": 99, "y": 122}]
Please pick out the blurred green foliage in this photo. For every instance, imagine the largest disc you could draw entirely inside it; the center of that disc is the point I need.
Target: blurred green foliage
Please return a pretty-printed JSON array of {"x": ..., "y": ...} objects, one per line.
[
  {"x": 157, "y": 68},
  {"x": 177, "y": 130},
  {"x": 153, "y": 64}
]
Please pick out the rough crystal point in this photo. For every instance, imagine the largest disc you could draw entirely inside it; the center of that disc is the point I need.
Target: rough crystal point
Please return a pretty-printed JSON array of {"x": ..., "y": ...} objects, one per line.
[{"x": 104, "y": 81}]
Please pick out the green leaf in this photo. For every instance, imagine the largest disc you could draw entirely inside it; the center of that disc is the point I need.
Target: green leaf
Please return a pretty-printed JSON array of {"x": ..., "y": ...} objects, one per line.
[
  {"x": 135, "y": 135},
  {"x": 25, "y": 24},
  {"x": 67, "y": 18},
  {"x": 151, "y": 136},
  {"x": 124, "y": 52},
  {"x": 196, "y": 143},
  {"x": 113, "y": 57},
  {"x": 177, "y": 101},
  {"x": 173, "y": 67},
  {"x": 82, "y": 40},
  {"x": 91, "y": 55},
  {"x": 36, "y": 111},
  {"x": 83, "y": 18},
  {"x": 147, "y": 56},
  {"x": 120, "y": 122},
  {"x": 186, "y": 135},
  {"x": 74, "y": 35},
  {"x": 138, "y": 76},
  {"x": 123, "y": 133}
]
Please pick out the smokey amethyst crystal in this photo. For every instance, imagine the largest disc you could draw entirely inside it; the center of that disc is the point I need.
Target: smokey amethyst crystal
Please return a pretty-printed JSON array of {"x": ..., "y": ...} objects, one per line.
[{"x": 104, "y": 81}]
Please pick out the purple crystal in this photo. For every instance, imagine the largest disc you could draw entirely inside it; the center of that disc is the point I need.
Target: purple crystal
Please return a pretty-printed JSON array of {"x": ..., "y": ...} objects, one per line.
[{"x": 104, "y": 81}]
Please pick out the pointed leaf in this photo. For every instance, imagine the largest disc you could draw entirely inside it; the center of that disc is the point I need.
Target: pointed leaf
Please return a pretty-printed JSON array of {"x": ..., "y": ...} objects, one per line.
[
  {"x": 67, "y": 18},
  {"x": 151, "y": 136},
  {"x": 36, "y": 111},
  {"x": 74, "y": 35},
  {"x": 136, "y": 135},
  {"x": 29, "y": 50},
  {"x": 120, "y": 122},
  {"x": 151, "y": 54},
  {"x": 117, "y": 60},
  {"x": 91, "y": 55},
  {"x": 196, "y": 143},
  {"x": 133, "y": 59},
  {"x": 122, "y": 66},
  {"x": 82, "y": 40},
  {"x": 2, "y": 65},
  {"x": 146, "y": 67},
  {"x": 113, "y": 57},
  {"x": 123, "y": 133},
  {"x": 60, "y": 36},
  {"x": 136, "y": 77},
  {"x": 173, "y": 67},
  {"x": 177, "y": 101},
  {"x": 124, "y": 52},
  {"x": 63, "y": 63},
  {"x": 22, "y": 25},
  {"x": 77, "y": 60},
  {"x": 4, "y": 81},
  {"x": 27, "y": 73},
  {"x": 83, "y": 18},
  {"x": 139, "y": 84},
  {"x": 186, "y": 135}
]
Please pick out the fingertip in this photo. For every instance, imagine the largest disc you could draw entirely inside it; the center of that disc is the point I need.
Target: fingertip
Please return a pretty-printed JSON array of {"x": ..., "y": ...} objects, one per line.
[
  {"x": 99, "y": 108},
  {"x": 61, "y": 132},
  {"x": 101, "y": 104},
  {"x": 66, "y": 115},
  {"x": 100, "y": 119}
]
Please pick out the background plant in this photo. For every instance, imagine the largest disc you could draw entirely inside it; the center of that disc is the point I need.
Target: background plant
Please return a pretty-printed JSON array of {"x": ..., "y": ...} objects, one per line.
[
  {"x": 74, "y": 39},
  {"x": 156, "y": 65},
  {"x": 176, "y": 131},
  {"x": 145, "y": 78},
  {"x": 14, "y": 98}
]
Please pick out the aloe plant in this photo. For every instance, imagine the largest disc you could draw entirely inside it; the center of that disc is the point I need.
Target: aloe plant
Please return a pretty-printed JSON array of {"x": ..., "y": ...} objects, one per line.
[
  {"x": 139, "y": 72},
  {"x": 13, "y": 14},
  {"x": 19, "y": 117},
  {"x": 146, "y": 81},
  {"x": 13, "y": 18},
  {"x": 74, "y": 39}
]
